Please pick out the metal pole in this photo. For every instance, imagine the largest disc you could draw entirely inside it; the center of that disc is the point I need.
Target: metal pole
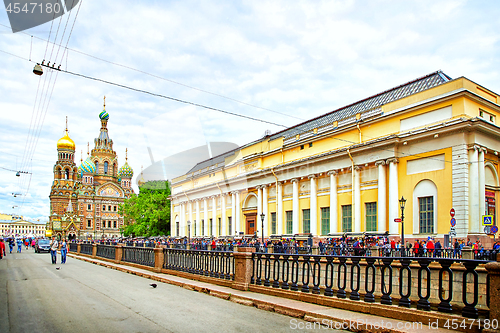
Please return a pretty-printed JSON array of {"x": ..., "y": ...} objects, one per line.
[{"x": 403, "y": 233}]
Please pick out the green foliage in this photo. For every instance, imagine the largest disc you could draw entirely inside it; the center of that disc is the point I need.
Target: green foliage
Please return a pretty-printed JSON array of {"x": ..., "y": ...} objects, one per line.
[{"x": 148, "y": 213}]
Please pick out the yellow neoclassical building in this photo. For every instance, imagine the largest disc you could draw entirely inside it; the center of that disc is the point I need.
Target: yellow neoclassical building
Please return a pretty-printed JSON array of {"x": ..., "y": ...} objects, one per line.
[
  {"x": 433, "y": 140},
  {"x": 16, "y": 226}
]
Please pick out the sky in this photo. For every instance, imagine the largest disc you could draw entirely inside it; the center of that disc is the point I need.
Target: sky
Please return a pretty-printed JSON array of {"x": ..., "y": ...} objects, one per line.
[{"x": 279, "y": 61}]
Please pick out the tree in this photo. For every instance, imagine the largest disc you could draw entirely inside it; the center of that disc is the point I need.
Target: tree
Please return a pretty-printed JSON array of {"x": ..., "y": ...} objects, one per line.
[{"x": 148, "y": 213}]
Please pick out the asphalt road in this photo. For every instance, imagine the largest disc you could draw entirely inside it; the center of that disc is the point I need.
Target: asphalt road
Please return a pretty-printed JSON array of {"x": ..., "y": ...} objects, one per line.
[{"x": 83, "y": 297}]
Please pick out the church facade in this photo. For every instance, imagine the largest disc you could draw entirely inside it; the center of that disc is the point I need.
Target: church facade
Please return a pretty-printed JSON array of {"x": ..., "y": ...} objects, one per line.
[{"x": 84, "y": 200}]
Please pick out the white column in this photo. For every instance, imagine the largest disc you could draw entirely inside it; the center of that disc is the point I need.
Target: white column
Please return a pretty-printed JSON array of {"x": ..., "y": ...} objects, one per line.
[
  {"x": 482, "y": 182},
  {"x": 333, "y": 202},
  {"x": 357, "y": 199},
  {"x": 259, "y": 202},
  {"x": 264, "y": 210},
  {"x": 172, "y": 217},
  {"x": 313, "y": 206},
  {"x": 214, "y": 216},
  {"x": 205, "y": 216},
  {"x": 295, "y": 205},
  {"x": 279, "y": 209},
  {"x": 237, "y": 226},
  {"x": 198, "y": 218},
  {"x": 382, "y": 193},
  {"x": 233, "y": 212},
  {"x": 182, "y": 232},
  {"x": 223, "y": 214},
  {"x": 190, "y": 203},
  {"x": 393, "y": 196},
  {"x": 474, "y": 216}
]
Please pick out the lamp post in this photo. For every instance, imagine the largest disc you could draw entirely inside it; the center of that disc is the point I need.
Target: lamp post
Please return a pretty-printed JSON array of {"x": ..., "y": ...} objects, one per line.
[
  {"x": 402, "y": 203},
  {"x": 189, "y": 231},
  {"x": 262, "y": 217}
]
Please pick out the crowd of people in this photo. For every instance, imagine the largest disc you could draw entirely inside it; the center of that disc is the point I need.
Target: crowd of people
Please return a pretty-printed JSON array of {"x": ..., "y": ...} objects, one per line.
[{"x": 19, "y": 243}]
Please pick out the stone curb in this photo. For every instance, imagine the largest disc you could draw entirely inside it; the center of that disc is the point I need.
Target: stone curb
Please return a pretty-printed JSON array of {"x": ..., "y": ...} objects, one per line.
[{"x": 334, "y": 318}]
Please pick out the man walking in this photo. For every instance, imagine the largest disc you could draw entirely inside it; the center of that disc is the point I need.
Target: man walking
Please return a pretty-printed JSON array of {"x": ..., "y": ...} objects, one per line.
[{"x": 53, "y": 249}]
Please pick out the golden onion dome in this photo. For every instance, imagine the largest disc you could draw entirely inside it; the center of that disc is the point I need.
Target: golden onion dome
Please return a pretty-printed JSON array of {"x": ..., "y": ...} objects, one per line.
[{"x": 65, "y": 142}]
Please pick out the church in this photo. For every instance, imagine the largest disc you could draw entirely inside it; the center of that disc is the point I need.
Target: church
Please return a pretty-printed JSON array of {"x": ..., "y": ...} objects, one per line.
[{"x": 84, "y": 200}]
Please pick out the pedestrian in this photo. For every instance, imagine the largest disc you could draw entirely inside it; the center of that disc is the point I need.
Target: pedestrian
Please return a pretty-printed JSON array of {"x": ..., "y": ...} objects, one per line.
[
  {"x": 2, "y": 248},
  {"x": 64, "y": 251},
  {"x": 54, "y": 244},
  {"x": 19, "y": 245},
  {"x": 437, "y": 248},
  {"x": 11, "y": 244}
]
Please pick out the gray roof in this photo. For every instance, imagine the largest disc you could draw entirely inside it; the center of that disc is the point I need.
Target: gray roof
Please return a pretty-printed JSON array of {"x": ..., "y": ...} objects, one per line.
[{"x": 367, "y": 104}]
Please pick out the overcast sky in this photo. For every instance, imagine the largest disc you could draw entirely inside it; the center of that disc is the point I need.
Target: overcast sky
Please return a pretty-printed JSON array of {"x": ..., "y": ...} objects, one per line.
[{"x": 299, "y": 58}]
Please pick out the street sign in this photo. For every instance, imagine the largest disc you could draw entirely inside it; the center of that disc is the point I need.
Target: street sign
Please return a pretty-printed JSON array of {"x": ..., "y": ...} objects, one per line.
[
  {"x": 494, "y": 229},
  {"x": 487, "y": 230},
  {"x": 453, "y": 222},
  {"x": 453, "y": 233},
  {"x": 488, "y": 220},
  {"x": 397, "y": 220},
  {"x": 452, "y": 212}
]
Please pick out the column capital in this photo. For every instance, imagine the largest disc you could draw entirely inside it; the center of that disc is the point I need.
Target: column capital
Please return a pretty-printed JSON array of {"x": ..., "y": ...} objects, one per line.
[
  {"x": 293, "y": 180},
  {"x": 264, "y": 185},
  {"x": 332, "y": 172},
  {"x": 357, "y": 167},
  {"x": 312, "y": 176},
  {"x": 381, "y": 162},
  {"x": 392, "y": 160},
  {"x": 258, "y": 187}
]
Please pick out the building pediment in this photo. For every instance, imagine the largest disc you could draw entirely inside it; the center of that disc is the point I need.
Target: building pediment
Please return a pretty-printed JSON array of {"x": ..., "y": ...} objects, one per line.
[{"x": 109, "y": 190}]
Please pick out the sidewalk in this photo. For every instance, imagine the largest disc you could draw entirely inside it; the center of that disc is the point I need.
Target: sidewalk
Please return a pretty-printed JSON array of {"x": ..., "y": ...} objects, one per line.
[{"x": 313, "y": 313}]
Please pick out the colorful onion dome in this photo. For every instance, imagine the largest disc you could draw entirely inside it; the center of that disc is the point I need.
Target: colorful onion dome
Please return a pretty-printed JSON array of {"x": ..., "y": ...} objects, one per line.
[
  {"x": 125, "y": 171},
  {"x": 87, "y": 166},
  {"x": 65, "y": 142},
  {"x": 104, "y": 115}
]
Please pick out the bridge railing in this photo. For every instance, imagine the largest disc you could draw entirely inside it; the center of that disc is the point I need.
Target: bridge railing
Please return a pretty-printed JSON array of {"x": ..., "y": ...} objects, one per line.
[
  {"x": 106, "y": 251},
  {"x": 73, "y": 247},
  {"x": 139, "y": 255},
  {"x": 418, "y": 282},
  {"x": 86, "y": 248},
  {"x": 218, "y": 264}
]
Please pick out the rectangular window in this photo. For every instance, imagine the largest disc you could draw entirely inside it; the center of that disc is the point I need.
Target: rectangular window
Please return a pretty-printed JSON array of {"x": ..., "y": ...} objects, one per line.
[
  {"x": 210, "y": 227},
  {"x": 371, "y": 216},
  {"x": 229, "y": 226},
  {"x": 289, "y": 222},
  {"x": 273, "y": 223},
  {"x": 109, "y": 208},
  {"x": 89, "y": 223},
  {"x": 347, "y": 218},
  {"x": 89, "y": 207},
  {"x": 325, "y": 220},
  {"x": 306, "y": 220},
  {"x": 220, "y": 226},
  {"x": 103, "y": 207},
  {"x": 177, "y": 228},
  {"x": 114, "y": 208},
  {"x": 426, "y": 215},
  {"x": 202, "y": 227},
  {"x": 114, "y": 224},
  {"x": 194, "y": 228}
]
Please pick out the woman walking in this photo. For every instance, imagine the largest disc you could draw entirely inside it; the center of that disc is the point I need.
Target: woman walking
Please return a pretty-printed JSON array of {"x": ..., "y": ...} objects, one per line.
[{"x": 64, "y": 251}]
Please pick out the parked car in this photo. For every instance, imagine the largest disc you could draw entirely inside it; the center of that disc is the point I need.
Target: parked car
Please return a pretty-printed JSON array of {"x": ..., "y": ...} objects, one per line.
[{"x": 42, "y": 245}]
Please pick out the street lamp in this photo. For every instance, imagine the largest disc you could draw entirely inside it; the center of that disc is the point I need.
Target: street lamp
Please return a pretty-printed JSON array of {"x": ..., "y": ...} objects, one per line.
[
  {"x": 402, "y": 203},
  {"x": 189, "y": 232},
  {"x": 262, "y": 217}
]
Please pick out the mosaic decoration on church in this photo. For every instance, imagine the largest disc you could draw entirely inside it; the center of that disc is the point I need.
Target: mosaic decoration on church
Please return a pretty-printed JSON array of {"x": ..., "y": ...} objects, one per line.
[{"x": 109, "y": 192}]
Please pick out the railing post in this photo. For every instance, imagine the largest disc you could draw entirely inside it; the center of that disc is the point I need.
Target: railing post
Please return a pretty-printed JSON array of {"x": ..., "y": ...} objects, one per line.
[
  {"x": 374, "y": 251},
  {"x": 78, "y": 248},
  {"x": 158, "y": 259},
  {"x": 118, "y": 253},
  {"x": 94, "y": 250},
  {"x": 242, "y": 267},
  {"x": 467, "y": 253},
  {"x": 493, "y": 269}
]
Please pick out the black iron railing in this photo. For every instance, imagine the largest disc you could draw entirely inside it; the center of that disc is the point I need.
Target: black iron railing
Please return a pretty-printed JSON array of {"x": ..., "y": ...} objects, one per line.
[
  {"x": 139, "y": 255},
  {"x": 218, "y": 264},
  {"x": 73, "y": 247},
  {"x": 86, "y": 248},
  {"x": 405, "y": 281},
  {"x": 106, "y": 251}
]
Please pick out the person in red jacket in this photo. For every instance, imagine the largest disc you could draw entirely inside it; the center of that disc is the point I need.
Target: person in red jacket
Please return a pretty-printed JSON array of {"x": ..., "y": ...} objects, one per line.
[
  {"x": 430, "y": 247},
  {"x": 2, "y": 248},
  {"x": 416, "y": 248}
]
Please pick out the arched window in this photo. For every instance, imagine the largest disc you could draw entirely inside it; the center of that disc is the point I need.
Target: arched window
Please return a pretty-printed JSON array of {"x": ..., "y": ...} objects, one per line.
[
  {"x": 96, "y": 167},
  {"x": 66, "y": 174},
  {"x": 106, "y": 168},
  {"x": 425, "y": 202}
]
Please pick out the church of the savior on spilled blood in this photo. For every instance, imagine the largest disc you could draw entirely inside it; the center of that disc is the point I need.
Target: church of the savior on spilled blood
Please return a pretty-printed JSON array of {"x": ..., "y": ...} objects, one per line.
[{"x": 84, "y": 200}]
